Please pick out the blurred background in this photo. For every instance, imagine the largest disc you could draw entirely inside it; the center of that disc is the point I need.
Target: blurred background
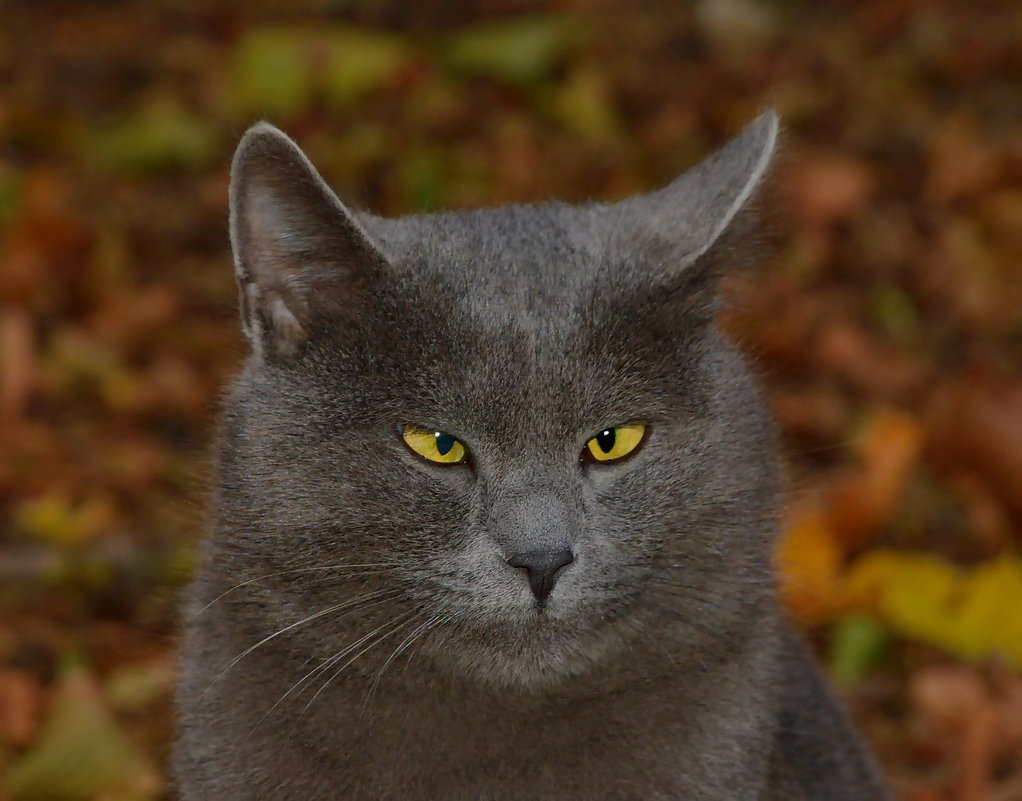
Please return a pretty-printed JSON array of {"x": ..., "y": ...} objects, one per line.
[{"x": 887, "y": 323}]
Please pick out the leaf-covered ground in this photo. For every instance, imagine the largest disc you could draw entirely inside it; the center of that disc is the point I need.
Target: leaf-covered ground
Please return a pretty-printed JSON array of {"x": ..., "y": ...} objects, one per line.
[{"x": 887, "y": 324}]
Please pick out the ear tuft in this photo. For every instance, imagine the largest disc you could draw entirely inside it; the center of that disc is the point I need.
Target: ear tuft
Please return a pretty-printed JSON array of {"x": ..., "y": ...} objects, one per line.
[{"x": 299, "y": 254}]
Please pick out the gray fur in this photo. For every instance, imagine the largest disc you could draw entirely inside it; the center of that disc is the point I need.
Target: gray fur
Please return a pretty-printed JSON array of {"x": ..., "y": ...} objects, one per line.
[{"x": 660, "y": 667}]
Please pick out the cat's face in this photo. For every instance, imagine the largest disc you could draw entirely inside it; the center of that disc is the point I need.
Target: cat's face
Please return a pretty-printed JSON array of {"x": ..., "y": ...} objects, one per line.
[{"x": 521, "y": 420}]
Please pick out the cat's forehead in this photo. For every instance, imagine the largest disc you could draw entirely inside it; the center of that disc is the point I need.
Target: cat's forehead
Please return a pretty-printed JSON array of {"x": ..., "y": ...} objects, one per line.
[
  {"x": 510, "y": 321},
  {"x": 515, "y": 260}
]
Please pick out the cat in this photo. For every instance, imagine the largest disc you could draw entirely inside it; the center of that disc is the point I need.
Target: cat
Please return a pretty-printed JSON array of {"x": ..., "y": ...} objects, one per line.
[{"x": 495, "y": 508}]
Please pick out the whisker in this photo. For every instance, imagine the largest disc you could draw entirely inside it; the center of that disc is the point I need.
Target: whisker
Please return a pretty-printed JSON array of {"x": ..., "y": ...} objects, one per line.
[
  {"x": 404, "y": 644},
  {"x": 326, "y": 664},
  {"x": 395, "y": 627},
  {"x": 387, "y": 596},
  {"x": 286, "y": 573},
  {"x": 307, "y": 677}
]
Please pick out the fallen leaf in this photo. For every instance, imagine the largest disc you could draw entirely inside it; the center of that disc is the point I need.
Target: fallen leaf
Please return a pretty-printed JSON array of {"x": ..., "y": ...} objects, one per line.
[
  {"x": 359, "y": 61},
  {"x": 846, "y": 350},
  {"x": 270, "y": 73},
  {"x": 986, "y": 617},
  {"x": 973, "y": 613},
  {"x": 519, "y": 51},
  {"x": 136, "y": 686},
  {"x": 810, "y": 561},
  {"x": 960, "y": 161},
  {"x": 82, "y": 755},
  {"x": 20, "y": 705},
  {"x": 162, "y": 135},
  {"x": 866, "y": 497},
  {"x": 976, "y": 423},
  {"x": 56, "y": 519},
  {"x": 827, "y": 188},
  {"x": 857, "y": 643},
  {"x": 18, "y": 361}
]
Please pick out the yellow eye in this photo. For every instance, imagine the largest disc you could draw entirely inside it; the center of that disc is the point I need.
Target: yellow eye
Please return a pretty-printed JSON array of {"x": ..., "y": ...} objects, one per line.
[
  {"x": 614, "y": 443},
  {"x": 434, "y": 445}
]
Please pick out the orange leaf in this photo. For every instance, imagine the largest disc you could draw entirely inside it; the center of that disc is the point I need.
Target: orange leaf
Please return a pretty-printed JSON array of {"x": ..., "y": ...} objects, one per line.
[
  {"x": 865, "y": 501},
  {"x": 810, "y": 561}
]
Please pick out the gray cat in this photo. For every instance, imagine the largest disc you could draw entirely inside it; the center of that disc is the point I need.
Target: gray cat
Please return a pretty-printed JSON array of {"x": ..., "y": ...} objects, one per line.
[{"x": 495, "y": 510}]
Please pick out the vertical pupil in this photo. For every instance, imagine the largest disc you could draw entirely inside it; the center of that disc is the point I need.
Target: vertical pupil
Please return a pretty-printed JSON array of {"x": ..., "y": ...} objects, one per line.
[
  {"x": 444, "y": 443},
  {"x": 605, "y": 439}
]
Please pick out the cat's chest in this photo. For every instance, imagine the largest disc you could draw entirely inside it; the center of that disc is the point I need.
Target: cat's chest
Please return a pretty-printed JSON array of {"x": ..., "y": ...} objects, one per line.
[
  {"x": 625, "y": 749},
  {"x": 464, "y": 764}
]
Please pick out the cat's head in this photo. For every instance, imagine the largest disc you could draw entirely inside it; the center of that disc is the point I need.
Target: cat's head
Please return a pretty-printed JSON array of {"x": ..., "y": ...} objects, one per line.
[{"x": 520, "y": 420}]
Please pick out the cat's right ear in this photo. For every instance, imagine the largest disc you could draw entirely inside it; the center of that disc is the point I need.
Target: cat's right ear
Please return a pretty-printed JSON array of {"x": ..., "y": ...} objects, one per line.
[
  {"x": 300, "y": 257},
  {"x": 685, "y": 220}
]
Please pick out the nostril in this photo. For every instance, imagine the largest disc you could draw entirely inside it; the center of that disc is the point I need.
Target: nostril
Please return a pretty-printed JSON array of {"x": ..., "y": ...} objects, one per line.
[{"x": 542, "y": 568}]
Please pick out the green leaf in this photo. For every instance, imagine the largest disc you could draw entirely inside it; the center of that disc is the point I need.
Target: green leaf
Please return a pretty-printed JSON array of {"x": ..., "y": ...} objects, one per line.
[
  {"x": 270, "y": 73},
  {"x": 858, "y": 643},
  {"x": 895, "y": 311},
  {"x": 160, "y": 136},
  {"x": 358, "y": 62},
  {"x": 582, "y": 104},
  {"x": 82, "y": 753},
  {"x": 134, "y": 687},
  {"x": 422, "y": 177},
  {"x": 521, "y": 51}
]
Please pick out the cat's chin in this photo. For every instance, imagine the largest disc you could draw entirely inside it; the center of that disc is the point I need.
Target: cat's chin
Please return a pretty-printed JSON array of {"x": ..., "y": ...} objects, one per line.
[{"x": 534, "y": 653}]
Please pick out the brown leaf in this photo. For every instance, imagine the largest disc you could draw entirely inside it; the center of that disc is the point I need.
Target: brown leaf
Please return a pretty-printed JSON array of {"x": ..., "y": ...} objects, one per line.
[
  {"x": 20, "y": 706},
  {"x": 845, "y": 349},
  {"x": 818, "y": 413},
  {"x": 947, "y": 695},
  {"x": 44, "y": 243},
  {"x": 977, "y": 754},
  {"x": 866, "y": 498},
  {"x": 960, "y": 162},
  {"x": 827, "y": 188},
  {"x": 18, "y": 361},
  {"x": 976, "y": 424}
]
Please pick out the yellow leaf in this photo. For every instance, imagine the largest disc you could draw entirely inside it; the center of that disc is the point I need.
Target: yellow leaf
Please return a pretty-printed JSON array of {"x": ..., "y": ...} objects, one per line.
[
  {"x": 867, "y": 580},
  {"x": 55, "y": 520},
  {"x": 973, "y": 613},
  {"x": 920, "y": 596},
  {"x": 987, "y": 617}
]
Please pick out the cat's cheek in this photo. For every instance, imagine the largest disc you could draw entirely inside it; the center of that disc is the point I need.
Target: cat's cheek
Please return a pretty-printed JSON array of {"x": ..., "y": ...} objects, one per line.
[{"x": 606, "y": 482}]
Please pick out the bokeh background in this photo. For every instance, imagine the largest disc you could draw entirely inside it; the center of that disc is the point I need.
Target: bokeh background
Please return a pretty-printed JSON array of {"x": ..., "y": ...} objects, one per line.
[{"x": 887, "y": 321}]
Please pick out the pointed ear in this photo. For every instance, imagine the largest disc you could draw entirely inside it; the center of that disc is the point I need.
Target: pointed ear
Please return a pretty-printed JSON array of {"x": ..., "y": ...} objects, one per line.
[
  {"x": 687, "y": 217},
  {"x": 299, "y": 254}
]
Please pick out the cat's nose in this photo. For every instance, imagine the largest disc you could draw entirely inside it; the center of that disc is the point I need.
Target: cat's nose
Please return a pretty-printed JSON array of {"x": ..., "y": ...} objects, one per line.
[{"x": 542, "y": 568}]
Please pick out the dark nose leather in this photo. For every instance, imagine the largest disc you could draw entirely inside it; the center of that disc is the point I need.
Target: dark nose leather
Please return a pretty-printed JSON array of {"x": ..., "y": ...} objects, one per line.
[{"x": 542, "y": 568}]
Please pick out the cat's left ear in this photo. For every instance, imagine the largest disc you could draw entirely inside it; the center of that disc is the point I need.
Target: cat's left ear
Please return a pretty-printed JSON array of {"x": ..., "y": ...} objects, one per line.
[
  {"x": 683, "y": 221},
  {"x": 301, "y": 258}
]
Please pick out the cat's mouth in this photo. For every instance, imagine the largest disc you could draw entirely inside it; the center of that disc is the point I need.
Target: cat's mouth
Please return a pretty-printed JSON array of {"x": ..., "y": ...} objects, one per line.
[{"x": 533, "y": 651}]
